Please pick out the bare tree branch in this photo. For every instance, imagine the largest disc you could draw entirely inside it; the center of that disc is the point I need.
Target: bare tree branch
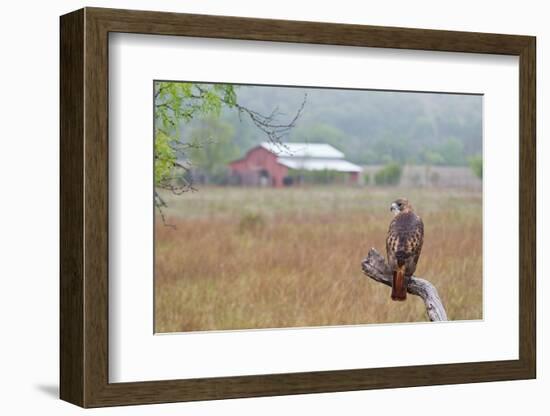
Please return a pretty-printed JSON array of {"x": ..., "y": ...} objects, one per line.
[
  {"x": 375, "y": 267},
  {"x": 160, "y": 204},
  {"x": 275, "y": 131}
]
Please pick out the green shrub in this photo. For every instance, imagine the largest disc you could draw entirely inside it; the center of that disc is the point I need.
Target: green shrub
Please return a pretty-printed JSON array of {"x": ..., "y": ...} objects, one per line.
[
  {"x": 366, "y": 179},
  {"x": 251, "y": 222},
  {"x": 390, "y": 174},
  {"x": 476, "y": 164}
]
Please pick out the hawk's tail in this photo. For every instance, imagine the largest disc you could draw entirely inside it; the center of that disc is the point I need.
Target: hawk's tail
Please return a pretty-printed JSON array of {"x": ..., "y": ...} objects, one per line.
[{"x": 398, "y": 287}]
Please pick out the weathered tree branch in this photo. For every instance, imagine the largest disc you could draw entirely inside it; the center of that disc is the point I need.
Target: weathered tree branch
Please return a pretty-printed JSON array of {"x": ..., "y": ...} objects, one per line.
[{"x": 375, "y": 267}]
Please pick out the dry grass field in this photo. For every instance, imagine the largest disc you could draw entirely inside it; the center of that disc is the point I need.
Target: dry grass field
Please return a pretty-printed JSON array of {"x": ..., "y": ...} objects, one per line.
[{"x": 265, "y": 258}]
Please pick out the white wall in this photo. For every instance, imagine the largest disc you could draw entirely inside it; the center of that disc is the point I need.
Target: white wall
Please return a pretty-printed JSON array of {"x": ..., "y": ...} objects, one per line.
[{"x": 29, "y": 208}]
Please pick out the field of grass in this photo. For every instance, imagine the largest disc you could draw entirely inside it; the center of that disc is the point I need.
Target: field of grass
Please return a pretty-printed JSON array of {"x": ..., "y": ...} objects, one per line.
[{"x": 265, "y": 258}]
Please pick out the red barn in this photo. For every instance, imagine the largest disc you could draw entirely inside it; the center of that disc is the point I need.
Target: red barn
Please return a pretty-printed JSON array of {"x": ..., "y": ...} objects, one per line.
[{"x": 269, "y": 164}]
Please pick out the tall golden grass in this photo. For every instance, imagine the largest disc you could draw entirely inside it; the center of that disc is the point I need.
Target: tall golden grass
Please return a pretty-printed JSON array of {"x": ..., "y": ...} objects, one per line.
[{"x": 270, "y": 258}]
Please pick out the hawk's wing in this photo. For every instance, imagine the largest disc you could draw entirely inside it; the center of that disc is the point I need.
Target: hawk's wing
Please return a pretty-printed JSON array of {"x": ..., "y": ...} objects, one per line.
[{"x": 404, "y": 241}]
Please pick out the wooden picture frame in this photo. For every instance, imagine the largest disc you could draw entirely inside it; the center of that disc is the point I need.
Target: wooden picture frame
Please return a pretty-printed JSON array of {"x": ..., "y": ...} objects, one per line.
[{"x": 84, "y": 207}]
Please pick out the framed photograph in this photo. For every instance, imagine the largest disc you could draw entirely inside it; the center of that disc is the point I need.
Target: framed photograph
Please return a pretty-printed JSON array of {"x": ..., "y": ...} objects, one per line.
[{"x": 254, "y": 207}]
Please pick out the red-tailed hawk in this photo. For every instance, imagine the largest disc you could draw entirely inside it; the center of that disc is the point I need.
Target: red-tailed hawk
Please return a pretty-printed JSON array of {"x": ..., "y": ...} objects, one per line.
[{"x": 403, "y": 245}]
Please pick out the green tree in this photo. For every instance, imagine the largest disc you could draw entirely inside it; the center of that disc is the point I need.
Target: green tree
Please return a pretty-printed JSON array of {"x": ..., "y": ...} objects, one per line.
[
  {"x": 433, "y": 158},
  {"x": 452, "y": 152},
  {"x": 215, "y": 147},
  {"x": 177, "y": 103}
]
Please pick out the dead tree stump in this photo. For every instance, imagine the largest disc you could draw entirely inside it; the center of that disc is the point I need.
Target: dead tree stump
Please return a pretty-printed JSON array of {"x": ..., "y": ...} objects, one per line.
[{"x": 375, "y": 267}]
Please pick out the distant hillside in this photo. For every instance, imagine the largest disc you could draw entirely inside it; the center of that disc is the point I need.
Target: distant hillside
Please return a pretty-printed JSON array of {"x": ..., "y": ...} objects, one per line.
[{"x": 370, "y": 127}]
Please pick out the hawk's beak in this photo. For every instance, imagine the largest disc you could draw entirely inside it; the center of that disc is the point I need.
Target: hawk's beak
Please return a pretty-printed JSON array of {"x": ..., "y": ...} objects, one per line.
[{"x": 394, "y": 208}]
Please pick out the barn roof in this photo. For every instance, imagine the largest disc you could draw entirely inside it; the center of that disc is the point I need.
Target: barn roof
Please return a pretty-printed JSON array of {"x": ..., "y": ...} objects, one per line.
[
  {"x": 338, "y": 165},
  {"x": 310, "y": 156},
  {"x": 303, "y": 150}
]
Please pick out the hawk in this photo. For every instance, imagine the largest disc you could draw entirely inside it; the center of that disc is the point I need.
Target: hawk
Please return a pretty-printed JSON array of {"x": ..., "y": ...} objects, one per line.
[{"x": 403, "y": 245}]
